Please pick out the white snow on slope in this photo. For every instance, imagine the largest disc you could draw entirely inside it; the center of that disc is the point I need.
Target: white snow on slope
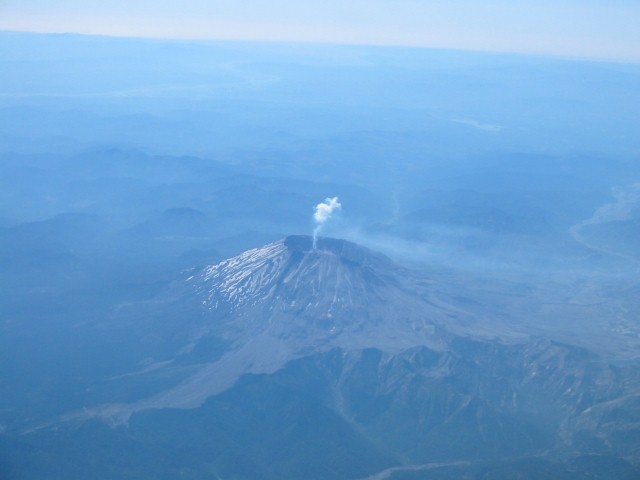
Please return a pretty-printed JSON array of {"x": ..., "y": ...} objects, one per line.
[{"x": 245, "y": 279}]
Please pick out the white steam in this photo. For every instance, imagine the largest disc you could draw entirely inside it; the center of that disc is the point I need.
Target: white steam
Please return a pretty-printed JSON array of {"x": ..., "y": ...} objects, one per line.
[{"x": 323, "y": 213}]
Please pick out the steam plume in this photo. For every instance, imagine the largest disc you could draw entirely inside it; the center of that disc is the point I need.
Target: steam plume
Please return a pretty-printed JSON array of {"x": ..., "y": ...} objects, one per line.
[{"x": 323, "y": 213}]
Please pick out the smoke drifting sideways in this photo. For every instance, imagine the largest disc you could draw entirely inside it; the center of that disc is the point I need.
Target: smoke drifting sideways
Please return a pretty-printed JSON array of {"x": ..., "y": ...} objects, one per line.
[{"x": 323, "y": 213}]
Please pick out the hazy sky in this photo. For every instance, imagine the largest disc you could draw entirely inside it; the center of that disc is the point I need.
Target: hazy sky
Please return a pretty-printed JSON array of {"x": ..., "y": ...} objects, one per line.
[{"x": 588, "y": 28}]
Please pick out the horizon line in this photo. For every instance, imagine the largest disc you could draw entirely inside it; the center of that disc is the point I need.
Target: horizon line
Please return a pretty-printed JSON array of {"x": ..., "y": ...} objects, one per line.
[{"x": 335, "y": 43}]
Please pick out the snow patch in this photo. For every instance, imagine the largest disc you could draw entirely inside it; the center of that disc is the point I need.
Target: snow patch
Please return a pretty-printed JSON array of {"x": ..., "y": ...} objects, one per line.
[{"x": 245, "y": 279}]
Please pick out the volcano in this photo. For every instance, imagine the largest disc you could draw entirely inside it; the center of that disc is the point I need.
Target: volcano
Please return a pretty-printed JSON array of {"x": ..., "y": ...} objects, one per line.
[
  {"x": 289, "y": 300},
  {"x": 331, "y": 361},
  {"x": 334, "y": 294}
]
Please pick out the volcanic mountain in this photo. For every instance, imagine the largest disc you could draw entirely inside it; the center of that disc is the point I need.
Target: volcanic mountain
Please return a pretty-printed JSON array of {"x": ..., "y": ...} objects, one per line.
[
  {"x": 334, "y": 362},
  {"x": 333, "y": 294},
  {"x": 289, "y": 300}
]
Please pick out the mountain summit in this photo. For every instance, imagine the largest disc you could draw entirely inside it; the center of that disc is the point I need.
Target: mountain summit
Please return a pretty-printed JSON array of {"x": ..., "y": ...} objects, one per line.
[
  {"x": 333, "y": 274},
  {"x": 337, "y": 293}
]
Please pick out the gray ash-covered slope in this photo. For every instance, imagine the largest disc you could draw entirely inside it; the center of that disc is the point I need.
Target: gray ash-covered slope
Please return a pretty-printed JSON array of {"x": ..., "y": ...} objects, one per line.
[{"x": 333, "y": 293}]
